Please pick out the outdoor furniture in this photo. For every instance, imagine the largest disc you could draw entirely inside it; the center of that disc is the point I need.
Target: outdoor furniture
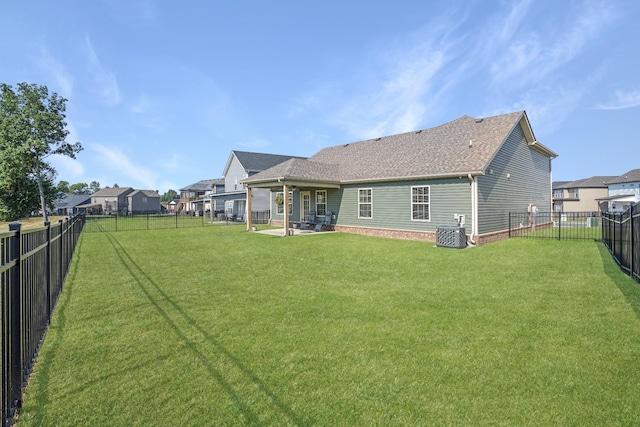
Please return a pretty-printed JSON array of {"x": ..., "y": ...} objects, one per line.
[
  {"x": 327, "y": 221},
  {"x": 309, "y": 222}
]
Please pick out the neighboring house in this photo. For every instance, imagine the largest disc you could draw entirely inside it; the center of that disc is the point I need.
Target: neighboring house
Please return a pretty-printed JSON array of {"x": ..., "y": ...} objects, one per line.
[
  {"x": 144, "y": 202},
  {"x": 69, "y": 204},
  {"x": 109, "y": 201},
  {"x": 242, "y": 165},
  {"x": 581, "y": 195},
  {"x": 623, "y": 191},
  {"x": 469, "y": 171},
  {"x": 172, "y": 206},
  {"x": 191, "y": 201},
  {"x": 208, "y": 200}
]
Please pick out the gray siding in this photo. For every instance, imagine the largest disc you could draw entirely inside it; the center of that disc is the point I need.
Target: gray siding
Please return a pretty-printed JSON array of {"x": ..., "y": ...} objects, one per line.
[
  {"x": 138, "y": 204},
  {"x": 516, "y": 177},
  {"x": 235, "y": 174},
  {"x": 392, "y": 204},
  {"x": 295, "y": 213}
]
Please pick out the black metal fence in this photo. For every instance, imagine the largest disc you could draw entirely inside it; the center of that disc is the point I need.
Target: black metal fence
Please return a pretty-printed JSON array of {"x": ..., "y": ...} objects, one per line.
[
  {"x": 621, "y": 235},
  {"x": 99, "y": 223},
  {"x": 33, "y": 266},
  {"x": 556, "y": 225}
]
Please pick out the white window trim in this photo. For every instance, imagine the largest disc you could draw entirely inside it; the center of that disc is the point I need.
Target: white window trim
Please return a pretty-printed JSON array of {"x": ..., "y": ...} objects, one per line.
[
  {"x": 411, "y": 203},
  {"x": 370, "y": 203},
  {"x": 280, "y": 208},
  {"x": 326, "y": 202}
]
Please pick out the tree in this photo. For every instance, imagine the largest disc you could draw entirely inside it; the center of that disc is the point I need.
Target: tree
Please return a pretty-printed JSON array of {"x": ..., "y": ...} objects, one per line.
[
  {"x": 63, "y": 187},
  {"x": 94, "y": 187},
  {"x": 32, "y": 128},
  {"x": 79, "y": 188},
  {"x": 168, "y": 196}
]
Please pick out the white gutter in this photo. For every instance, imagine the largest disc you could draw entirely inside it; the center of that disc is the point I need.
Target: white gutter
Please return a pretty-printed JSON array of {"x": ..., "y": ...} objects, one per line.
[{"x": 474, "y": 207}]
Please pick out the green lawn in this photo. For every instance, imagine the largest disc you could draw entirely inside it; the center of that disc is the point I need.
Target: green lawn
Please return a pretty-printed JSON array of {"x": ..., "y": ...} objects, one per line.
[{"x": 217, "y": 326}]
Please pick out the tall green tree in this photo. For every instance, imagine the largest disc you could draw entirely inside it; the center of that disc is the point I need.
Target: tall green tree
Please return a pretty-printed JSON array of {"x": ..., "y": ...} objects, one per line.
[
  {"x": 168, "y": 196},
  {"x": 79, "y": 188},
  {"x": 62, "y": 187},
  {"x": 94, "y": 186},
  {"x": 32, "y": 128}
]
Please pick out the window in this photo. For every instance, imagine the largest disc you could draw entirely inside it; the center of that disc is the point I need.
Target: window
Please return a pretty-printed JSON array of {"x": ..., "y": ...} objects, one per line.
[
  {"x": 280, "y": 206},
  {"x": 557, "y": 194},
  {"x": 576, "y": 193},
  {"x": 228, "y": 207},
  {"x": 420, "y": 206},
  {"x": 365, "y": 205},
  {"x": 321, "y": 202}
]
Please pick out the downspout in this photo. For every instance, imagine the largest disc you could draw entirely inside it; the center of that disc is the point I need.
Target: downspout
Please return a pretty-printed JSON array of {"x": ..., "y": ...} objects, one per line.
[{"x": 474, "y": 208}]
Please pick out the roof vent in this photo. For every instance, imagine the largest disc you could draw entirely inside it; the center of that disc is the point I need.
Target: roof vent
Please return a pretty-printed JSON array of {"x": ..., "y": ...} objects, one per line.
[
  {"x": 418, "y": 131},
  {"x": 345, "y": 145},
  {"x": 479, "y": 120},
  {"x": 378, "y": 139}
]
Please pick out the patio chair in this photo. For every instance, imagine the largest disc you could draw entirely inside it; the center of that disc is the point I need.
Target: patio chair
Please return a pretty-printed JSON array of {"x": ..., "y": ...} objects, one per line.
[
  {"x": 327, "y": 221},
  {"x": 309, "y": 222}
]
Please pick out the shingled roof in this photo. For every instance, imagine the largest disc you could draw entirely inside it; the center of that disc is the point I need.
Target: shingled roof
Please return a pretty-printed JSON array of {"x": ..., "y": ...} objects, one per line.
[
  {"x": 593, "y": 182},
  {"x": 256, "y": 162},
  {"x": 460, "y": 147},
  {"x": 202, "y": 185},
  {"x": 631, "y": 176},
  {"x": 112, "y": 191}
]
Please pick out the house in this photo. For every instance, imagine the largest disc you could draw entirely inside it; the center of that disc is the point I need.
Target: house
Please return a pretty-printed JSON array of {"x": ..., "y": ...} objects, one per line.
[
  {"x": 623, "y": 191},
  {"x": 242, "y": 165},
  {"x": 68, "y": 203},
  {"x": 581, "y": 195},
  {"x": 191, "y": 196},
  {"x": 172, "y": 206},
  {"x": 470, "y": 171},
  {"x": 144, "y": 202},
  {"x": 109, "y": 201}
]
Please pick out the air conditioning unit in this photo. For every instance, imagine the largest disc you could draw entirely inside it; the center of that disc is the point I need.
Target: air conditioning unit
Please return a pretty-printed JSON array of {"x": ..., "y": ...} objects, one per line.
[{"x": 451, "y": 236}]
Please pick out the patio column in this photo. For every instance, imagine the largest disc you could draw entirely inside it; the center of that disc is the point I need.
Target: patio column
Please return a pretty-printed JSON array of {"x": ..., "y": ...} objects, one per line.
[
  {"x": 286, "y": 210},
  {"x": 249, "y": 209}
]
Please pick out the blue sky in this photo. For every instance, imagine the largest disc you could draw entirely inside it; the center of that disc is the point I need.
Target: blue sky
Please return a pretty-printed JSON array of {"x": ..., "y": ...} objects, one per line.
[{"x": 160, "y": 92}]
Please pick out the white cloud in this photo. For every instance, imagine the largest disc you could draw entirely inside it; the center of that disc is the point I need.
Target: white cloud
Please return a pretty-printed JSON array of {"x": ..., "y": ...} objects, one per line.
[
  {"x": 68, "y": 169},
  {"x": 406, "y": 86},
  {"x": 532, "y": 54},
  {"x": 621, "y": 100},
  {"x": 142, "y": 105},
  {"x": 104, "y": 79},
  {"x": 255, "y": 143},
  {"x": 133, "y": 174},
  {"x": 63, "y": 79}
]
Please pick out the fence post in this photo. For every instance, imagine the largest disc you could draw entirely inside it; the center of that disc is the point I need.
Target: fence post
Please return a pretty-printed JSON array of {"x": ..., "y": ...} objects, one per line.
[
  {"x": 47, "y": 267},
  {"x": 15, "y": 319},
  {"x": 61, "y": 255},
  {"x": 631, "y": 241},
  {"x": 559, "y": 225}
]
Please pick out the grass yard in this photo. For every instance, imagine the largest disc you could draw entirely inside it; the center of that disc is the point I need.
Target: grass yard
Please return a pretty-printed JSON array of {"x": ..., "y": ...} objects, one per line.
[
  {"x": 217, "y": 326},
  {"x": 32, "y": 222}
]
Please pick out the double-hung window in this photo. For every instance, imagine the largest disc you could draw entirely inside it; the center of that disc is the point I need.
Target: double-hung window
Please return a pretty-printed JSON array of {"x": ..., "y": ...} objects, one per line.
[
  {"x": 420, "y": 205},
  {"x": 321, "y": 202},
  {"x": 280, "y": 206},
  {"x": 365, "y": 203}
]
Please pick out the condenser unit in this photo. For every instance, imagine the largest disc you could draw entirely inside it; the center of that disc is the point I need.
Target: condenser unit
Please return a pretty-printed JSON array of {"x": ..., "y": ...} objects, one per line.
[{"x": 451, "y": 236}]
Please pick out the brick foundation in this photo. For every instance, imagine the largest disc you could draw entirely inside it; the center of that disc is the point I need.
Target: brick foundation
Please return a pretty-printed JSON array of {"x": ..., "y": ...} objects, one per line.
[{"x": 424, "y": 236}]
